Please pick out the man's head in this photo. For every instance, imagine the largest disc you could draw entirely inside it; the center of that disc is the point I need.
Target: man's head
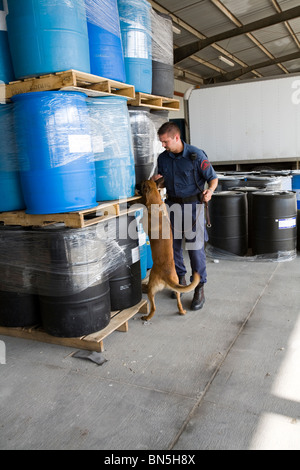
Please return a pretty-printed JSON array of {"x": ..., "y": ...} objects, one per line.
[{"x": 169, "y": 135}]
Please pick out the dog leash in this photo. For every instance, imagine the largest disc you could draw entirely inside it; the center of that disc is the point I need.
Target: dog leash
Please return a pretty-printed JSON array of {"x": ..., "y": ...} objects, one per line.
[{"x": 208, "y": 222}]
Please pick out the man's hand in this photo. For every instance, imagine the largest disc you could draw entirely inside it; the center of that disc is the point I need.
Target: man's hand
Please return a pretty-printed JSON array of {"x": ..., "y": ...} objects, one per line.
[
  {"x": 155, "y": 177},
  {"x": 207, "y": 194}
]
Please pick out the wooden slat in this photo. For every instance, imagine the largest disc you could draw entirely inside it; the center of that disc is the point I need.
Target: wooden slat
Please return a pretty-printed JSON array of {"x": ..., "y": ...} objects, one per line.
[
  {"x": 155, "y": 102},
  {"x": 70, "y": 79},
  {"x": 92, "y": 342},
  {"x": 79, "y": 219}
]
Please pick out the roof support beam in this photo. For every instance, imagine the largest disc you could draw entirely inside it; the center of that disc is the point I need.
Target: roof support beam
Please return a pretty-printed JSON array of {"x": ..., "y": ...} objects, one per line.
[
  {"x": 186, "y": 51},
  {"x": 238, "y": 73}
]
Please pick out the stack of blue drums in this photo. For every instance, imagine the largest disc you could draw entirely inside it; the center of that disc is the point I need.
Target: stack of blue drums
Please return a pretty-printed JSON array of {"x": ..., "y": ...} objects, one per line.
[
  {"x": 135, "y": 20},
  {"x": 112, "y": 147},
  {"x": 55, "y": 154},
  {"x": 106, "y": 53},
  {"x": 6, "y": 69},
  {"x": 47, "y": 36},
  {"x": 11, "y": 196}
]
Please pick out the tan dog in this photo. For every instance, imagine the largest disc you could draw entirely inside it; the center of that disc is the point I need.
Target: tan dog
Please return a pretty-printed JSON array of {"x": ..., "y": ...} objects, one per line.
[{"x": 163, "y": 273}]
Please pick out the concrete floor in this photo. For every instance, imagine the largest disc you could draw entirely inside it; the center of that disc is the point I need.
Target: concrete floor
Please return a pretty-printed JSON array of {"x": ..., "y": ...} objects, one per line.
[{"x": 224, "y": 378}]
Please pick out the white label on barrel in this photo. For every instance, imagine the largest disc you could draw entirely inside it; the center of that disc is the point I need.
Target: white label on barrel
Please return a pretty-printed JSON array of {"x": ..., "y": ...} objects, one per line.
[
  {"x": 287, "y": 223},
  {"x": 135, "y": 254},
  {"x": 142, "y": 238},
  {"x": 80, "y": 143},
  {"x": 3, "y": 21}
]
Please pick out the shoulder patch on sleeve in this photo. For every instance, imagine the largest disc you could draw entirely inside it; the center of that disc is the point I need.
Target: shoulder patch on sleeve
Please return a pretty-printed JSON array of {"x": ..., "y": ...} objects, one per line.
[{"x": 205, "y": 165}]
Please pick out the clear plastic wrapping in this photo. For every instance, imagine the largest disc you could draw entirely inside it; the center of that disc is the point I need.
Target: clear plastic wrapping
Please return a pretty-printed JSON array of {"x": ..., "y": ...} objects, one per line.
[
  {"x": 217, "y": 254},
  {"x": 112, "y": 147},
  {"x": 57, "y": 261},
  {"x": 146, "y": 144},
  {"x": 47, "y": 36},
  {"x": 135, "y": 21},
  {"x": 102, "y": 13},
  {"x": 8, "y": 149},
  {"x": 52, "y": 129},
  {"x": 162, "y": 38}
]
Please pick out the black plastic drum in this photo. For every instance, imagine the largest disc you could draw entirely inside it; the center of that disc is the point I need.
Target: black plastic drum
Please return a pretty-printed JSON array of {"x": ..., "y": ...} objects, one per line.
[
  {"x": 249, "y": 191},
  {"x": 19, "y": 310},
  {"x": 19, "y": 307},
  {"x": 125, "y": 280},
  {"x": 162, "y": 55},
  {"x": 229, "y": 222},
  {"x": 77, "y": 315},
  {"x": 74, "y": 290},
  {"x": 274, "y": 222}
]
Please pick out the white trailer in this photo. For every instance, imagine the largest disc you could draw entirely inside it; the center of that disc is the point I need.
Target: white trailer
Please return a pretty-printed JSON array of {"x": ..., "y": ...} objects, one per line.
[{"x": 248, "y": 122}]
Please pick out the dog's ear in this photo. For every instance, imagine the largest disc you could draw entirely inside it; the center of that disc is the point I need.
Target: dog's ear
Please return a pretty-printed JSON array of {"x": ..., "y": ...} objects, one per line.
[
  {"x": 144, "y": 187},
  {"x": 160, "y": 182}
]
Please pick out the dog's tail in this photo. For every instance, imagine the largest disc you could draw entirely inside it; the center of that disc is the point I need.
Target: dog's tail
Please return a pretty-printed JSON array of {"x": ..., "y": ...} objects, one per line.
[{"x": 182, "y": 289}]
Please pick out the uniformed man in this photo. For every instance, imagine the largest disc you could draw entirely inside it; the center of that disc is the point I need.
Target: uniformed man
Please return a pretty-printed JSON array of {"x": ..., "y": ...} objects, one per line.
[{"x": 186, "y": 170}]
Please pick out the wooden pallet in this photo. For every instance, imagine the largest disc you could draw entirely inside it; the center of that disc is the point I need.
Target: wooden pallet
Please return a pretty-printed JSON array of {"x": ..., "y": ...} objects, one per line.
[
  {"x": 92, "y": 85},
  {"x": 155, "y": 102},
  {"x": 79, "y": 219},
  {"x": 92, "y": 342}
]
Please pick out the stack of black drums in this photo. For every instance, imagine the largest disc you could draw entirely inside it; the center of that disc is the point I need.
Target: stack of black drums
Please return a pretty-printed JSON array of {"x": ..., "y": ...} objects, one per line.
[
  {"x": 68, "y": 280},
  {"x": 264, "y": 223}
]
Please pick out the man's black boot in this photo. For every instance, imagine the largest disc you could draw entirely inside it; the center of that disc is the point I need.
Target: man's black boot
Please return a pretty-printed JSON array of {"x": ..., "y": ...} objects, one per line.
[
  {"x": 198, "y": 299},
  {"x": 182, "y": 281}
]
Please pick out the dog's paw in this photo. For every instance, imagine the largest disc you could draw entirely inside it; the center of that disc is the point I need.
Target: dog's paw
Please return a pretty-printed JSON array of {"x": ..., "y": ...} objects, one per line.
[
  {"x": 145, "y": 318},
  {"x": 182, "y": 312}
]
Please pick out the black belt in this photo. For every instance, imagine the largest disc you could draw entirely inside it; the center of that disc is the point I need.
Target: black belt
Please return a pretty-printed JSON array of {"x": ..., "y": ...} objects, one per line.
[
  {"x": 184, "y": 200},
  {"x": 198, "y": 197}
]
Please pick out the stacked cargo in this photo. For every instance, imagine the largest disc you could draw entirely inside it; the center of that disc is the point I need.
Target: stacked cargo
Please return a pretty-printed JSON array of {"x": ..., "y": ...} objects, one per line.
[
  {"x": 65, "y": 152},
  {"x": 254, "y": 216}
]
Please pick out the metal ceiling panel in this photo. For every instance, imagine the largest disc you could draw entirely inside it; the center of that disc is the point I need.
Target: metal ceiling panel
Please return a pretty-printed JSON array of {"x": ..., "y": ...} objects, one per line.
[
  {"x": 270, "y": 71},
  {"x": 175, "y": 6},
  {"x": 207, "y": 18},
  {"x": 287, "y": 4},
  {"x": 247, "y": 11},
  {"x": 239, "y": 44}
]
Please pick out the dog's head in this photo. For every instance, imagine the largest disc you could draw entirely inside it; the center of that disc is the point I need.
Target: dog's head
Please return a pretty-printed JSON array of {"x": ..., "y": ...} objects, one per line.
[
  {"x": 147, "y": 186},
  {"x": 149, "y": 190}
]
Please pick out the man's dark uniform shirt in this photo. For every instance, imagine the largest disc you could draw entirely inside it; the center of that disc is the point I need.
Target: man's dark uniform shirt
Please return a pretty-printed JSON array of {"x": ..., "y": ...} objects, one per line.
[{"x": 178, "y": 171}]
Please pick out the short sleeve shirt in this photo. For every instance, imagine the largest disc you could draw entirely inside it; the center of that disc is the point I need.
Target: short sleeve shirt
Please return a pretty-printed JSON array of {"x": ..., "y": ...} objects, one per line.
[{"x": 179, "y": 171}]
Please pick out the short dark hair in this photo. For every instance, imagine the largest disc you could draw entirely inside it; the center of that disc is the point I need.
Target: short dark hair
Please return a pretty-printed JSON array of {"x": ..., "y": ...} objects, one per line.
[{"x": 169, "y": 128}]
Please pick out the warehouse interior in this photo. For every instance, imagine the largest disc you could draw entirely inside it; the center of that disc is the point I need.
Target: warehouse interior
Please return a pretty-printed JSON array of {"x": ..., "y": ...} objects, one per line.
[{"x": 81, "y": 368}]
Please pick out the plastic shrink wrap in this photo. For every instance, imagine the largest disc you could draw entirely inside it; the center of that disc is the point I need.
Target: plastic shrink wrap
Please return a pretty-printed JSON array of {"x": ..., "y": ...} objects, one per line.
[
  {"x": 6, "y": 68},
  {"x": 146, "y": 145},
  {"x": 47, "y": 36},
  {"x": 162, "y": 55},
  {"x": 135, "y": 21},
  {"x": 11, "y": 196},
  {"x": 56, "y": 261},
  {"x": 55, "y": 155},
  {"x": 106, "y": 53},
  {"x": 112, "y": 147}
]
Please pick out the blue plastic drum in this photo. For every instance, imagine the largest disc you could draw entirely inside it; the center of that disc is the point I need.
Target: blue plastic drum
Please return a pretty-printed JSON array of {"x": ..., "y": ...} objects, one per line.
[
  {"x": 55, "y": 153},
  {"x": 135, "y": 21},
  {"x": 47, "y": 36},
  {"x": 296, "y": 187},
  {"x": 112, "y": 147},
  {"x": 106, "y": 53},
  {"x": 6, "y": 69},
  {"x": 11, "y": 197}
]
